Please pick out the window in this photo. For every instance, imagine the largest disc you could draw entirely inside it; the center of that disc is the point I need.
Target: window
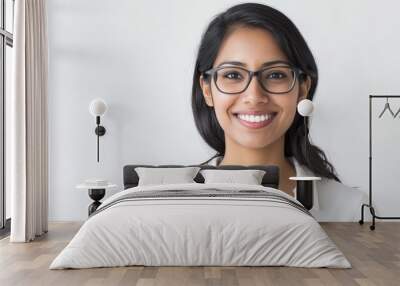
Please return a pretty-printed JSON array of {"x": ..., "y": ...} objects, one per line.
[{"x": 6, "y": 44}]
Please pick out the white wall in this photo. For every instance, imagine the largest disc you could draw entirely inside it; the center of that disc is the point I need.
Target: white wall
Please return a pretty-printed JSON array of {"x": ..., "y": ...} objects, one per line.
[{"x": 116, "y": 50}]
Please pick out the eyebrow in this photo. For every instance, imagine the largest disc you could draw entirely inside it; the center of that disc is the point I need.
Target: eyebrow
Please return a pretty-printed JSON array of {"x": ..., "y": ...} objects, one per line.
[{"x": 266, "y": 64}]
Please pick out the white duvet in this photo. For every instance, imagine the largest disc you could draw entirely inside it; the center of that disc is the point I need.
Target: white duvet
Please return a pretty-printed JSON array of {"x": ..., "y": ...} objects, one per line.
[{"x": 184, "y": 231}]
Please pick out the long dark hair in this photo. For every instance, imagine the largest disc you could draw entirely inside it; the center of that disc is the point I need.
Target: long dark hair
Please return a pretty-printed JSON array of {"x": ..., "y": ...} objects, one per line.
[{"x": 298, "y": 53}]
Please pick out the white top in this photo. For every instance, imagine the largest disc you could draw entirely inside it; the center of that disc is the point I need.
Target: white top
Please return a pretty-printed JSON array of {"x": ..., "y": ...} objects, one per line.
[
  {"x": 333, "y": 201},
  {"x": 86, "y": 186}
]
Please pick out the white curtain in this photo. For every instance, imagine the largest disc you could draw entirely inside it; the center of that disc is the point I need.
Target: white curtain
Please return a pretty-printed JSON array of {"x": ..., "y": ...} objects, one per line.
[{"x": 27, "y": 122}]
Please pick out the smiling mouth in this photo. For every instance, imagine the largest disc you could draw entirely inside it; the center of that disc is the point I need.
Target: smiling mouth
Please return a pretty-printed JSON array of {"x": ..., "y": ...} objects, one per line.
[{"x": 255, "y": 121}]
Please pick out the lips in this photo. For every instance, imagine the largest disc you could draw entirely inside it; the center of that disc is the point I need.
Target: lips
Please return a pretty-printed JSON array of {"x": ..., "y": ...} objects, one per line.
[{"x": 255, "y": 121}]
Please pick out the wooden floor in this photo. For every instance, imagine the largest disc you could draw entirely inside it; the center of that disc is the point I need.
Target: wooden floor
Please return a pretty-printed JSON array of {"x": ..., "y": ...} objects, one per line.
[{"x": 374, "y": 255}]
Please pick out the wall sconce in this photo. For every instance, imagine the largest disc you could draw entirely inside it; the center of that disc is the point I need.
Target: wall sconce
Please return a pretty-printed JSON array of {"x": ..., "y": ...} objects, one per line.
[
  {"x": 97, "y": 108},
  {"x": 305, "y": 109}
]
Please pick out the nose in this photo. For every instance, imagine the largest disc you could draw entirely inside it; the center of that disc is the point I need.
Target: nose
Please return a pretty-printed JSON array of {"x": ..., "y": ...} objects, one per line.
[{"x": 254, "y": 93}]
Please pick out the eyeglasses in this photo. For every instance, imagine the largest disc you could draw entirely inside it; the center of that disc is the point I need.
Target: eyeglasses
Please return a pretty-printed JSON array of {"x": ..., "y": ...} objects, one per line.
[{"x": 276, "y": 79}]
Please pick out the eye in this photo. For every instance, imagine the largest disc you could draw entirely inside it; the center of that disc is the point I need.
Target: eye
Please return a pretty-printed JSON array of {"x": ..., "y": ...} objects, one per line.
[
  {"x": 276, "y": 75},
  {"x": 232, "y": 75}
]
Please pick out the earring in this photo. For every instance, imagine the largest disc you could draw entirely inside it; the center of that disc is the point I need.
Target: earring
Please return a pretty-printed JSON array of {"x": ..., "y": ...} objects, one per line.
[{"x": 305, "y": 107}]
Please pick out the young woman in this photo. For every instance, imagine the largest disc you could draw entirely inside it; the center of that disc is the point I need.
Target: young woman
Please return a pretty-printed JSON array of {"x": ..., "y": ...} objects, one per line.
[{"x": 253, "y": 68}]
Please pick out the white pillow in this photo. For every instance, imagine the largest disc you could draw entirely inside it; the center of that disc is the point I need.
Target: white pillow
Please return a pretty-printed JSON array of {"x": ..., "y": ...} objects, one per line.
[
  {"x": 162, "y": 176},
  {"x": 249, "y": 177}
]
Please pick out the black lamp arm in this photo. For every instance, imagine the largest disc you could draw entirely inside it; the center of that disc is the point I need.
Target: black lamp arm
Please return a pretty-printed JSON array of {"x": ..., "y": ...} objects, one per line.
[{"x": 99, "y": 131}]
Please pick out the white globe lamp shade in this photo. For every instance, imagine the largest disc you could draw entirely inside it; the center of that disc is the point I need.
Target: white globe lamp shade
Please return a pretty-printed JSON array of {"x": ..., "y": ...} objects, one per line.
[
  {"x": 97, "y": 107},
  {"x": 305, "y": 107}
]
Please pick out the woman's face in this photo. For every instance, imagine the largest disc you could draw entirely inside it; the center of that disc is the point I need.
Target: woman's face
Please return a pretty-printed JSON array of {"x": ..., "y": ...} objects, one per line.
[{"x": 252, "y": 47}]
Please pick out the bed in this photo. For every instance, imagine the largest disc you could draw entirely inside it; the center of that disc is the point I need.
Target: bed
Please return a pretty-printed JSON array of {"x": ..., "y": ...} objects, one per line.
[{"x": 201, "y": 224}]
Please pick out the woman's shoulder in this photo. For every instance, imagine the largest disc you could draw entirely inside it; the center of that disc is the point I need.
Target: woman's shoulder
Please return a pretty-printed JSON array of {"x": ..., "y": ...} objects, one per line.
[
  {"x": 304, "y": 171},
  {"x": 333, "y": 200},
  {"x": 338, "y": 201}
]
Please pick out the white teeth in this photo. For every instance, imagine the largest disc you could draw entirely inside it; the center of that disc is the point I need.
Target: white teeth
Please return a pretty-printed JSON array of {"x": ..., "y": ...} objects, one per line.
[{"x": 255, "y": 118}]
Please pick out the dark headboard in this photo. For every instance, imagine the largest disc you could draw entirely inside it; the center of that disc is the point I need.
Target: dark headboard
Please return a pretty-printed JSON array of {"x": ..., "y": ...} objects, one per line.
[{"x": 270, "y": 179}]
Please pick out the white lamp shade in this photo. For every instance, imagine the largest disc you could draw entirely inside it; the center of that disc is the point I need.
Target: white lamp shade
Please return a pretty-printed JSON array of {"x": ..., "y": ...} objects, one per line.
[
  {"x": 97, "y": 107},
  {"x": 305, "y": 107}
]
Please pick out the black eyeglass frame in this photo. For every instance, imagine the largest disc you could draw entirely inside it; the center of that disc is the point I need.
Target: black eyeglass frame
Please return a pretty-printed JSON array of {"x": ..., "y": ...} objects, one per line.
[{"x": 297, "y": 72}]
